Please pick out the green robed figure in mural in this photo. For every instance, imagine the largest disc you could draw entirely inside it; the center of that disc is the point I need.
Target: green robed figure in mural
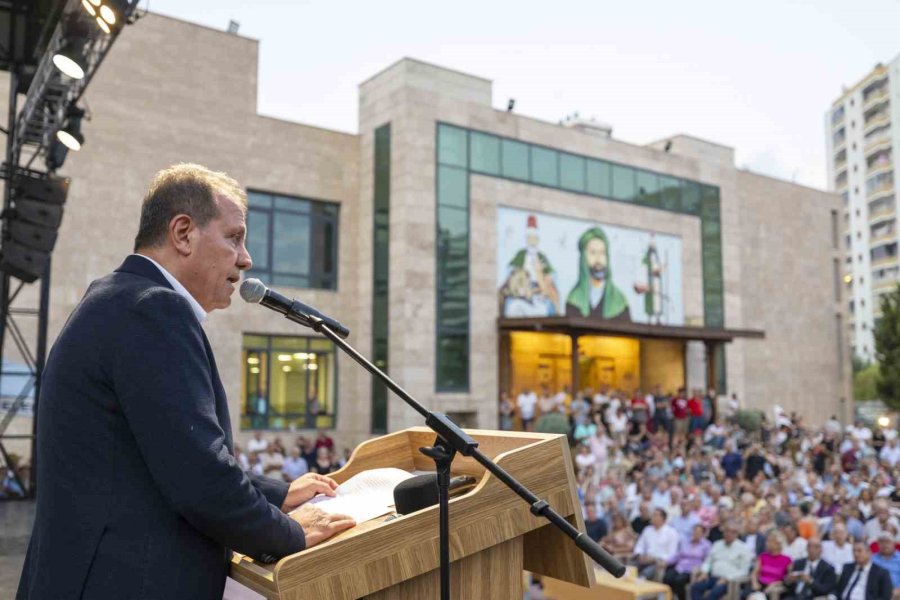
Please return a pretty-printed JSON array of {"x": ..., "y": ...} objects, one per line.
[{"x": 595, "y": 295}]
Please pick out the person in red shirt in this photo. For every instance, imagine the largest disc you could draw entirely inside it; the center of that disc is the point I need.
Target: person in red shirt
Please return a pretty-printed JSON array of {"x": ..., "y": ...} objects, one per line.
[
  {"x": 680, "y": 413},
  {"x": 695, "y": 407}
]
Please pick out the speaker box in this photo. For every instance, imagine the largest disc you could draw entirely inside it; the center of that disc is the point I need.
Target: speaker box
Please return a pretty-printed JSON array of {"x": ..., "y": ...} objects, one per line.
[
  {"x": 23, "y": 262},
  {"x": 52, "y": 190},
  {"x": 33, "y": 236},
  {"x": 39, "y": 213}
]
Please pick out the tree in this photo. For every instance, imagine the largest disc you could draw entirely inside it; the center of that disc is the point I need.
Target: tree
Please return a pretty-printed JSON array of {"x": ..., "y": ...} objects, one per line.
[
  {"x": 865, "y": 383},
  {"x": 887, "y": 349}
]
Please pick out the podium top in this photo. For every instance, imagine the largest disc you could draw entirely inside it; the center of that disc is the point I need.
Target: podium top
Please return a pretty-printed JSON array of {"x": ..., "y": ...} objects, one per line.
[{"x": 378, "y": 554}]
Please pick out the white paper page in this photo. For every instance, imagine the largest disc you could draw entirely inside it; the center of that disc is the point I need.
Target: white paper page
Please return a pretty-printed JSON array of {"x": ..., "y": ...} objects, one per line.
[{"x": 364, "y": 496}]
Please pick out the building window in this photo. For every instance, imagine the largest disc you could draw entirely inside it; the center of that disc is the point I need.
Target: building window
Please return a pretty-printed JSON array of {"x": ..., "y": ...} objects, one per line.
[
  {"x": 288, "y": 383},
  {"x": 380, "y": 271},
  {"x": 293, "y": 241}
]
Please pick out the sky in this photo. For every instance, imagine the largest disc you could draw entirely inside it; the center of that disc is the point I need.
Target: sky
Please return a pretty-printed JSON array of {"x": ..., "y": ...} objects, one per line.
[{"x": 756, "y": 76}]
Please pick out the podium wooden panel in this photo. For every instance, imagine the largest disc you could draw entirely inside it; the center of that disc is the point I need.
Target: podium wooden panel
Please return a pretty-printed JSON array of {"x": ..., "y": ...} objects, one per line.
[{"x": 493, "y": 536}]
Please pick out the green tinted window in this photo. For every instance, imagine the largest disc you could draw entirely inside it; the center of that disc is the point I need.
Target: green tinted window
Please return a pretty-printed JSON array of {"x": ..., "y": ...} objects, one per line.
[
  {"x": 571, "y": 172},
  {"x": 670, "y": 193},
  {"x": 599, "y": 178},
  {"x": 647, "y": 187},
  {"x": 485, "y": 153},
  {"x": 690, "y": 197},
  {"x": 452, "y": 146},
  {"x": 623, "y": 183},
  {"x": 515, "y": 159},
  {"x": 544, "y": 166},
  {"x": 453, "y": 187}
]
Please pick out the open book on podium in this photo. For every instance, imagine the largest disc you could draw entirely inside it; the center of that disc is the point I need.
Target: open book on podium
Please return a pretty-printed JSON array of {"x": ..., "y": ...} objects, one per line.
[{"x": 493, "y": 535}]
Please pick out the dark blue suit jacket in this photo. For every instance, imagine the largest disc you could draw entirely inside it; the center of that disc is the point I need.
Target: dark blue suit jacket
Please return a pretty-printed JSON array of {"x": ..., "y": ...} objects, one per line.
[{"x": 139, "y": 493}]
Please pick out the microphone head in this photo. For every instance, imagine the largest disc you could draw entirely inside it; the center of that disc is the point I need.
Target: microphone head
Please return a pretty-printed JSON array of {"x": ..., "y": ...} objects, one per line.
[
  {"x": 416, "y": 493},
  {"x": 253, "y": 290}
]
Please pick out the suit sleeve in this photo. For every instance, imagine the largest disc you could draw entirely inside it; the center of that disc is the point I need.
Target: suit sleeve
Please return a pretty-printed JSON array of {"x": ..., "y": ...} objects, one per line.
[
  {"x": 826, "y": 582},
  {"x": 274, "y": 490},
  {"x": 162, "y": 378}
]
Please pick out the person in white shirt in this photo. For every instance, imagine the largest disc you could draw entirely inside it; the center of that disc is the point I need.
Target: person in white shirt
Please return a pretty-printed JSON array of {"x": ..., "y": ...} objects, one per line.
[
  {"x": 795, "y": 546},
  {"x": 881, "y": 522},
  {"x": 257, "y": 444},
  {"x": 526, "y": 403},
  {"x": 657, "y": 546},
  {"x": 837, "y": 551},
  {"x": 890, "y": 453},
  {"x": 728, "y": 559},
  {"x": 294, "y": 465}
]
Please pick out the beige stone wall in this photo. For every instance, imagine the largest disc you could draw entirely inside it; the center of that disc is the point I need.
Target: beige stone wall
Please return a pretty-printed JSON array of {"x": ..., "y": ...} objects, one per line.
[{"x": 787, "y": 287}]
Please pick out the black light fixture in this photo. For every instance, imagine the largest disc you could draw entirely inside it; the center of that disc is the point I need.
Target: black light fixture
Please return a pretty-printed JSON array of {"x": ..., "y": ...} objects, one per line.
[
  {"x": 70, "y": 135},
  {"x": 668, "y": 146},
  {"x": 510, "y": 105},
  {"x": 70, "y": 58}
]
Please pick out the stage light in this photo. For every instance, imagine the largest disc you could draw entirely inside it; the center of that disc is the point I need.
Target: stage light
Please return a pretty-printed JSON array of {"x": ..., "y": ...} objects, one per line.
[
  {"x": 884, "y": 421},
  {"x": 254, "y": 370},
  {"x": 113, "y": 11},
  {"x": 285, "y": 357},
  {"x": 252, "y": 360},
  {"x": 70, "y": 60},
  {"x": 286, "y": 368},
  {"x": 89, "y": 7},
  {"x": 108, "y": 14},
  {"x": 70, "y": 135},
  {"x": 102, "y": 25}
]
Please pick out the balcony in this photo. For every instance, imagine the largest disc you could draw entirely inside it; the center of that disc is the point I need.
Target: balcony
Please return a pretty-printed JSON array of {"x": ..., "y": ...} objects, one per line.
[
  {"x": 879, "y": 167},
  {"x": 882, "y": 118},
  {"x": 873, "y": 98},
  {"x": 882, "y": 213}
]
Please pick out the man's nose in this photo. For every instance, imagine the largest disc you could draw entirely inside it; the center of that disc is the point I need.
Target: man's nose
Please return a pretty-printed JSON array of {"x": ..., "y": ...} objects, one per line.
[{"x": 244, "y": 261}]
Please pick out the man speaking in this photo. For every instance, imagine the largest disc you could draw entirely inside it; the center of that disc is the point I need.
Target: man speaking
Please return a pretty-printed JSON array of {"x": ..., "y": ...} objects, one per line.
[{"x": 141, "y": 496}]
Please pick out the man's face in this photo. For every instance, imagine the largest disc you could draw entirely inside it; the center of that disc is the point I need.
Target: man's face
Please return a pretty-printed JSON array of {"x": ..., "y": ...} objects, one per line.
[
  {"x": 860, "y": 553},
  {"x": 814, "y": 549},
  {"x": 219, "y": 255},
  {"x": 595, "y": 254},
  {"x": 657, "y": 519},
  {"x": 730, "y": 534},
  {"x": 886, "y": 547},
  {"x": 839, "y": 534}
]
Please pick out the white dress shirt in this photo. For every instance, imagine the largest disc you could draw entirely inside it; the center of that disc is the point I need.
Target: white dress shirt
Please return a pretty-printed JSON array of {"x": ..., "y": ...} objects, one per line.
[
  {"x": 837, "y": 556},
  {"x": 661, "y": 544},
  {"x": 859, "y": 590},
  {"x": 180, "y": 289}
]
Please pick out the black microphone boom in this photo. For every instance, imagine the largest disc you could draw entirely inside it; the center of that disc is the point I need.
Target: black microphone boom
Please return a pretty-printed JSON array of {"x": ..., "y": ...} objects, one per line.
[{"x": 256, "y": 292}]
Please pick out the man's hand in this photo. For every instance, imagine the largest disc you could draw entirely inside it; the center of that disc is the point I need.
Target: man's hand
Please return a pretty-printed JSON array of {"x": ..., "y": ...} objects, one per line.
[
  {"x": 318, "y": 525},
  {"x": 307, "y": 486},
  {"x": 700, "y": 576}
]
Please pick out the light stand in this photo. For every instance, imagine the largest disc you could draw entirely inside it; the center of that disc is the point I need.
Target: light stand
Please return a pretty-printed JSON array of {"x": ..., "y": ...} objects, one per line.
[{"x": 450, "y": 440}]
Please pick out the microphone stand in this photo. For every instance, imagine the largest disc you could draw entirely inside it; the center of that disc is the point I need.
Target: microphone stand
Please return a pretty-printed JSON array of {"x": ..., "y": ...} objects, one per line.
[{"x": 450, "y": 440}]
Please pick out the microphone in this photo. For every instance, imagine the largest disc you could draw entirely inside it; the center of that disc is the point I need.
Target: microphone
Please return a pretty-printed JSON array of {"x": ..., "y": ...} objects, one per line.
[{"x": 255, "y": 291}]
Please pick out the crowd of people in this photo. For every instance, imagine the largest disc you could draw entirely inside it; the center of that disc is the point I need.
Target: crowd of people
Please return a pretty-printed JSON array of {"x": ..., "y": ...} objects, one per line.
[
  {"x": 307, "y": 454},
  {"x": 684, "y": 490}
]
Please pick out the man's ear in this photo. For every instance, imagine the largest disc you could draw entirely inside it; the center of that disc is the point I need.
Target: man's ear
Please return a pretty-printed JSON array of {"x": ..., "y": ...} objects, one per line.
[{"x": 180, "y": 229}]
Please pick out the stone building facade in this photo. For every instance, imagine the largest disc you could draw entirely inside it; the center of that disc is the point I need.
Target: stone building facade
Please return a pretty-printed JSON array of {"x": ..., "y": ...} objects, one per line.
[{"x": 418, "y": 284}]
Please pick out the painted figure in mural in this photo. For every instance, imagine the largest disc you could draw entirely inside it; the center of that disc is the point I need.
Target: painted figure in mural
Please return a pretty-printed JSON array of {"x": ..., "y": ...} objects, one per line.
[
  {"x": 595, "y": 294},
  {"x": 530, "y": 289},
  {"x": 653, "y": 290}
]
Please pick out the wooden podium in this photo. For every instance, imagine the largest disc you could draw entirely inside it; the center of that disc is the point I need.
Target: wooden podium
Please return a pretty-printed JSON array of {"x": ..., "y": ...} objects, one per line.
[{"x": 493, "y": 536}]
